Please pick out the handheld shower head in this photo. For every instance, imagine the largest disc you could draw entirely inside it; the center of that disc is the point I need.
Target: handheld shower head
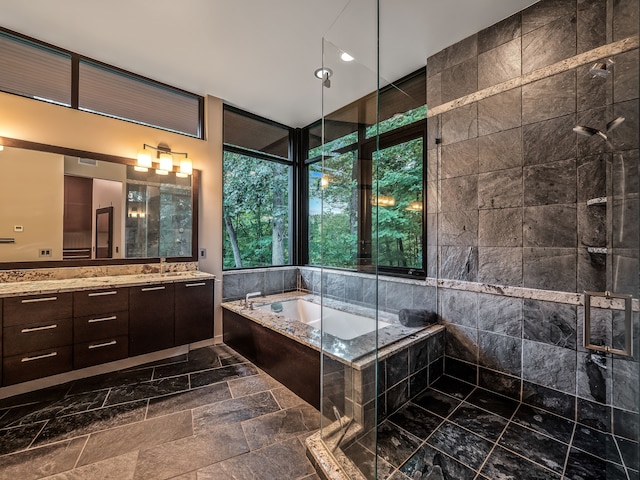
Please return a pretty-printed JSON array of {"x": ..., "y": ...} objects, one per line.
[
  {"x": 614, "y": 123},
  {"x": 588, "y": 131}
]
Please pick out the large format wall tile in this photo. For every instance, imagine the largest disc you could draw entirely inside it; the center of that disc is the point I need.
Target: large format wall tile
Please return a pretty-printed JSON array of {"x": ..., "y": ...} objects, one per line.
[
  {"x": 459, "y": 80},
  {"x": 500, "y": 352},
  {"x": 500, "y": 189},
  {"x": 460, "y": 124},
  {"x": 592, "y": 31},
  {"x": 550, "y": 226},
  {"x": 459, "y": 307},
  {"x": 549, "y": 366},
  {"x": 500, "y": 265},
  {"x": 550, "y": 323},
  {"x": 500, "y": 112},
  {"x": 459, "y": 159},
  {"x": 499, "y": 33},
  {"x": 453, "y": 55},
  {"x": 594, "y": 377},
  {"x": 459, "y": 263},
  {"x": 545, "y": 12},
  {"x": 550, "y": 183},
  {"x": 460, "y": 193},
  {"x": 500, "y": 150},
  {"x": 549, "y": 98},
  {"x": 500, "y": 314},
  {"x": 549, "y": 140},
  {"x": 499, "y": 64},
  {"x": 549, "y": 44},
  {"x": 500, "y": 227},
  {"x": 549, "y": 268},
  {"x": 625, "y": 19},
  {"x": 459, "y": 227},
  {"x": 434, "y": 90}
]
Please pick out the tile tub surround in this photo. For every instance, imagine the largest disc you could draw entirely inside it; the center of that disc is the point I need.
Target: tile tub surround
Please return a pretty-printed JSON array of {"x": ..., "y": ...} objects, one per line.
[
  {"x": 268, "y": 281},
  {"x": 65, "y": 273},
  {"x": 148, "y": 422},
  {"x": 456, "y": 430},
  {"x": 43, "y": 287}
]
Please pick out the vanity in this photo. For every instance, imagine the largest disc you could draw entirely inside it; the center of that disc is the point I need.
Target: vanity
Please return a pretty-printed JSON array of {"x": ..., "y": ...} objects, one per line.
[
  {"x": 98, "y": 264},
  {"x": 55, "y": 326}
]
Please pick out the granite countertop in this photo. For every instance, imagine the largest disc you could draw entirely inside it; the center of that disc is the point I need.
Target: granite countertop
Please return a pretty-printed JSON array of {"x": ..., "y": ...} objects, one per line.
[
  {"x": 358, "y": 352},
  {"x": 39, "y": 287}
]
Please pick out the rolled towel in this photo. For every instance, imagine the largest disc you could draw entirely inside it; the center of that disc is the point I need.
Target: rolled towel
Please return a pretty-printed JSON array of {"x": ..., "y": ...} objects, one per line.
[{"x": 417, "y": 318}]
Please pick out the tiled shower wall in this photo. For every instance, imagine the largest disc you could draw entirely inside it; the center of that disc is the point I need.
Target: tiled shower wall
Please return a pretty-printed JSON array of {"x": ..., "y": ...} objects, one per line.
[{"x": 508, "y": 220}]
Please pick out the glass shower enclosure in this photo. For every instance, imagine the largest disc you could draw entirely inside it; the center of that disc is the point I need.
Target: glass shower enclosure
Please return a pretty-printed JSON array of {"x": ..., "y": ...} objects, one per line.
[{"x": 529, "y": 228}]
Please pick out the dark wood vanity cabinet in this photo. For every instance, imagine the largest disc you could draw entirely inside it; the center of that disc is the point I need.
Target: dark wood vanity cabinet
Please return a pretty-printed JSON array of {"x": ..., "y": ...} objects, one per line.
[
  {"x": 151, "y": 318},
  {"x": 100, "y": 326},
  {"x": 47, "y": 334},
  {"x": 193, "y": 311},
  {"x": 37, "y": 336}
]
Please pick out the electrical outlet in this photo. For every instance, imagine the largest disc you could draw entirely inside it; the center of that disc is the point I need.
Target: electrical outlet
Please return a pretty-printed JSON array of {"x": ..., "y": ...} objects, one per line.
[
  {"x": 45, "y": 252},
  {"x": 18, "y": 228},
  {"x": 203, "y": 253}
]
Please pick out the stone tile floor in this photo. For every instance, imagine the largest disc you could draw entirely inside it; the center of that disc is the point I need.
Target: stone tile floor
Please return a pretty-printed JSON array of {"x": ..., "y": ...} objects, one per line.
[
  {"x": 206, "y": 415},
  {"x": 456, "y": 431}
]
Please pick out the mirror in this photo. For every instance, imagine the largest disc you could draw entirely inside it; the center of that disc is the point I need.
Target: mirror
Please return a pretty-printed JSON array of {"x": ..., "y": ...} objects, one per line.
[
  {"x": 104, "y": 232},
  {"x": 79, "y": 208}
]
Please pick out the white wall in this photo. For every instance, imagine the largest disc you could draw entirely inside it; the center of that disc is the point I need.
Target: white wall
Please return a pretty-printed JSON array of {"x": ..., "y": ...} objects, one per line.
[{"x": 37, "y": 205}]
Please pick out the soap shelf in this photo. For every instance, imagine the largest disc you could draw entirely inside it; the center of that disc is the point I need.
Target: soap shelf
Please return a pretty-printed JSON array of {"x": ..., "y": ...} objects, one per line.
[{"x": 597, "y": 201}]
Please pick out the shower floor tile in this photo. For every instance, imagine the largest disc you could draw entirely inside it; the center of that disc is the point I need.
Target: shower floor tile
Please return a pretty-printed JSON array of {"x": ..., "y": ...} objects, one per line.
[{"x": 455, "y": 430}]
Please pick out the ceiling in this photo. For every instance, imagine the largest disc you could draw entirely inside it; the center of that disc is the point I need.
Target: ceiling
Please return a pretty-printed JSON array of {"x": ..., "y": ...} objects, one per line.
[{"x": 258, "y": 55}]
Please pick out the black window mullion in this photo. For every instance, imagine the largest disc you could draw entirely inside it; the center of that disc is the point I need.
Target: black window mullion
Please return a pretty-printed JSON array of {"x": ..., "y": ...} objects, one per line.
[{"x": 75, "y": 80}]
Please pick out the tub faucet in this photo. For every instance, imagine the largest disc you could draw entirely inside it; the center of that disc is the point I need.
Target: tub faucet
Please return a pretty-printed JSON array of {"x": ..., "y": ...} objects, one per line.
[
  {"x": 247, "y": 303},
  {"x": 163, "y": 261}
]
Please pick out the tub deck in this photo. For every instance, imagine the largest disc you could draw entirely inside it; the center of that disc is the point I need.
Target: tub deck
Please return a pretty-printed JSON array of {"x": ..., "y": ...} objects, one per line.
[{"x": 358, "y": 352}]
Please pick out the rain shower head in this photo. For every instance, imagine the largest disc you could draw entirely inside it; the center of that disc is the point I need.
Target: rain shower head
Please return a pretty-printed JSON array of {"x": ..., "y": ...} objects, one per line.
[{"x": 601, "y": 69}]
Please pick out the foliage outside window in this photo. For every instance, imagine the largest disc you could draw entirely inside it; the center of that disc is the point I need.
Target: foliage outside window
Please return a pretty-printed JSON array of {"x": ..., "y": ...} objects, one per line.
[
  {"x": 256, "y": 211},
  {"x": 398, "y": 180},
  {"x": 333, "y": 212}
]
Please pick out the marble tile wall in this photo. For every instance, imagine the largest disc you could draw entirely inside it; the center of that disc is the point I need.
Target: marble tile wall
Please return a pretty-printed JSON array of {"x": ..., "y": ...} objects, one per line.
[
  {"x": 237, "y": 283},
  {"x": 507, "y": 203}
]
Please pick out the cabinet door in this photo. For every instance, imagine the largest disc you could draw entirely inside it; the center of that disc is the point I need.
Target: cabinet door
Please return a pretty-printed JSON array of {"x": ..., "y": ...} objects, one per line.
[
  {"x": 194, "y": 311},
  {"x": 151, "y": 318}
]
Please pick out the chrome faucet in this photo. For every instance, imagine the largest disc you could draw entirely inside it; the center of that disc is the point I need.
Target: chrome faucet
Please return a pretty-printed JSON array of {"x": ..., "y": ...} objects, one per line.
[
  {"x": 247, "y": 303},
  {"x": 163, "y": 261}
]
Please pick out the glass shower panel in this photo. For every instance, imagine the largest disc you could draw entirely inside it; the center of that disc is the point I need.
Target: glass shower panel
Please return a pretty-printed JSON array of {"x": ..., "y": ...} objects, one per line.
[{"x": 340, "y": 237}]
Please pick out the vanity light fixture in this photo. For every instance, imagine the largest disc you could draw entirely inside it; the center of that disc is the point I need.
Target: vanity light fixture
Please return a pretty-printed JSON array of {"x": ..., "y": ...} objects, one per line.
[{"x": 165, "y": 160}]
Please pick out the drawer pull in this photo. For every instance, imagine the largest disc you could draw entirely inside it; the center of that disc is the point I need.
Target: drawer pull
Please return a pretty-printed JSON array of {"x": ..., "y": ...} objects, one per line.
[
  {"x": 38, "y": 329},
  {"x": 39, "y": 357},
  {"x": 105, "y": 319},
  {"x": 100, "y": 345},
  {"x": 150, "y": 289},
  {"x": 102, "y": 294},
  {"x": 201, "y": 284},
  {"x": 36, "y": 300}
]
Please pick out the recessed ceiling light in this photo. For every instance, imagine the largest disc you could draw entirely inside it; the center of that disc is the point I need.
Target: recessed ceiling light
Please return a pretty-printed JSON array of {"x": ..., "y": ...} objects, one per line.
[
  {"x": 321, "y": 72},
  {"x": 346, "y": 57}
]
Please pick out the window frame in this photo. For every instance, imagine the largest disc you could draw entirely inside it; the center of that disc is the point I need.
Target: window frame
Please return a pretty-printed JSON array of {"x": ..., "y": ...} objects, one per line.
[
  {"x": 291, "y": 161},
  {"x": 76, "y": 58}
]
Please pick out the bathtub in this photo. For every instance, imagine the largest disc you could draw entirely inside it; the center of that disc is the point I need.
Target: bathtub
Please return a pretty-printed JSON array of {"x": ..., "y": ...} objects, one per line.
[{"x": 343, "y": 325}]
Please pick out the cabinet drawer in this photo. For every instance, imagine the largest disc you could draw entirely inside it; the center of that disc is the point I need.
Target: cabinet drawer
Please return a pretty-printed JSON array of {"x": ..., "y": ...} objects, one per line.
[
  {"x": 100, "y": 351},
  {"x": 22, "y": 368},
  {"x": 95, "y": 327},
  {"x": 36, "y": 308},
  {"x": 20, "y": 339},
  {"x": 93, "y": 302}
]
